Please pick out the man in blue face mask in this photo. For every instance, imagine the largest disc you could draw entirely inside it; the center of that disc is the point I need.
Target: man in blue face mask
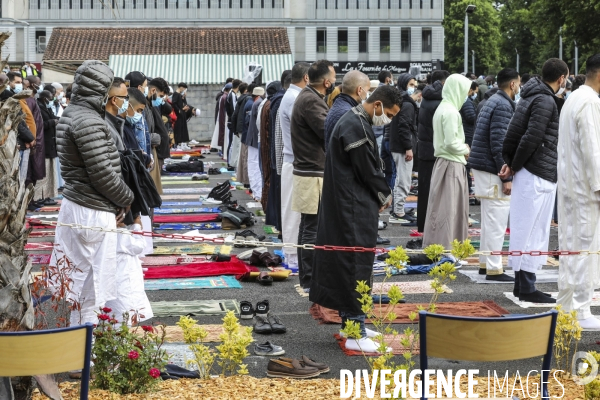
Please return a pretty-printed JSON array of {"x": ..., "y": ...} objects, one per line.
[
  {"x": 133, "y": 115},
  {"x": 117, "y": 103}
]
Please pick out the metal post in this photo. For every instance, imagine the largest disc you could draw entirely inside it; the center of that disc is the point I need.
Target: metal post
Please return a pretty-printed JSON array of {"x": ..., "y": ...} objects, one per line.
[
  {"x": 473, "y": 60},
  {"x": 576, "y": 58},
  {"x": 466, "y": 42},
  {"x": 517, "y": 59},
  {"x": 560, "y": 43}
]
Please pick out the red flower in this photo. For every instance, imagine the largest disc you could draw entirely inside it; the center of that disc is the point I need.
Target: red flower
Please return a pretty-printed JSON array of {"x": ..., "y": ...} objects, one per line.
[
  {"x": 147, "y": 328},
  {"x": 104, "y": 317},
  {"x": 138, "y": 345},
  {"x": 155, "y": 373},
  {"x": 106, "y": 310},
  {"x": 133, "y": 355}
]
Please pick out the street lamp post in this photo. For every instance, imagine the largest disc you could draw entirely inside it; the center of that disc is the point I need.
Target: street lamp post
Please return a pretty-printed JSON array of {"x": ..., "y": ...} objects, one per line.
[
  {"x": 560, "y": 43},
  {"x": 473, "y": 61},
  {"x": 576, "y": 58},
  {"x": 517, "y": 50},
  {"x": 469, "y": 10}
]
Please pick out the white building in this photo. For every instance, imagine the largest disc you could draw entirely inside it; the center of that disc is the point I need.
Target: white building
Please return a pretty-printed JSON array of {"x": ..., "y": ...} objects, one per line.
[{"x": 367, "y": 34}]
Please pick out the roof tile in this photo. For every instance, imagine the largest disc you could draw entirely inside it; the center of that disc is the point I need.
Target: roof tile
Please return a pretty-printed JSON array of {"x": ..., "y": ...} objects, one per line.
[{"x": 78, "y": 44}]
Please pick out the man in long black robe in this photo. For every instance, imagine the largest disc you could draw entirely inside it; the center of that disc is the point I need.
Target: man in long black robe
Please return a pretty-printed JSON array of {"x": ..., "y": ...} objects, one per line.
[{"x": 354, "y": 192}]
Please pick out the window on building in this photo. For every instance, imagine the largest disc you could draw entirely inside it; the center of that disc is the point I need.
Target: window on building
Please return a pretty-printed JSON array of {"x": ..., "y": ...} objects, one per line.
[
  {"x": 363, "y": 40},
  {"x": 321, "y": 40},
  {"x": 405, "y": 40},
  {"x": 342, "y": 40},
  {"x": 426, "y": 45},
  {"x": 40, "y": 40},
  {"x": 384, "y": 40}
]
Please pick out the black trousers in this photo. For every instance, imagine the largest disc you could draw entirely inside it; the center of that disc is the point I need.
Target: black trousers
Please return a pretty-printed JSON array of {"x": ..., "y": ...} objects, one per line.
[
  {"x": 307, "y": 234},
  {"x": 425, "y": 172}
]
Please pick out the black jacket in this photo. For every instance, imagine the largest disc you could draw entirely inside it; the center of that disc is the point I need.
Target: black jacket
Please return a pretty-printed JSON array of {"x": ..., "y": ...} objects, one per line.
[
  {"x": 50, "y": 122},
  {"x": 238, "y": 117},
  {"x": 432, "y": 97},
  {"x": 532, "y": 135},
  {"x": 163, "y": 149},
  {"x": 403, "y": 126},
  {"x": 138, "y": 179},
  {"x": 89, "y": 160},
  {"x": 489, "y": 93},
  {"x": 492, "y": 123},
  {"x": 467, "y": 112}
]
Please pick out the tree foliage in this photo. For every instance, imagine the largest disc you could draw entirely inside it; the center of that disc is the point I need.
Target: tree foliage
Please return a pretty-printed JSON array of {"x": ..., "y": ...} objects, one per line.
[{"x": 484, "y": 36}]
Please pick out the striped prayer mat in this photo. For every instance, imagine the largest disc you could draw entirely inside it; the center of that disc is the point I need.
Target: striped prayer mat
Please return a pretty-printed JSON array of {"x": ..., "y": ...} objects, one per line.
[
  {"x": 187, "y": 190},
  {"x": 39, "y": 258},
  {"x": 159, "y": 219},
  {"x": 207, "y": 282},
  {"x": 179, "y": 197},
  {"x": 192, "y": 249},
  {"x": 194, "y": 307},
  {"x": 191, "y": 210},
  {"x": 189, "y": 227}
]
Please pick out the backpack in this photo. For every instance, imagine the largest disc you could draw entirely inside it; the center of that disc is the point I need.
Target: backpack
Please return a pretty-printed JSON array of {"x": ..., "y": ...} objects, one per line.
[
  {"x": 186, "y": 166},
  {"x": 236, "y": 218},
  {"x": 221, "y": 192}
]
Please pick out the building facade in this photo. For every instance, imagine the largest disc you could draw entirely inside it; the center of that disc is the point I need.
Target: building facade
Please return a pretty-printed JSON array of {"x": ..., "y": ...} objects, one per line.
[{"x": 366, "y": 34}]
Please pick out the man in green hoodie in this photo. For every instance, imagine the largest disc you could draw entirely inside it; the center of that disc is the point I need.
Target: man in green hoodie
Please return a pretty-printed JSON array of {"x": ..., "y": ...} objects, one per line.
[{"x": 448, "y": 212}]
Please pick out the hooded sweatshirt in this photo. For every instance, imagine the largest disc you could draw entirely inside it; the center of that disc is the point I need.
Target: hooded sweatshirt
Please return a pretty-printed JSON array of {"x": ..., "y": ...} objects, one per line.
[{"x": 448, "y": 134}]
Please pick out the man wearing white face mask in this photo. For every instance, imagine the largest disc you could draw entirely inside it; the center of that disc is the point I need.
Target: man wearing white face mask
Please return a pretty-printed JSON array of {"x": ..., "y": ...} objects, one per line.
[
  {"x": 118, "y": 103},
  {"x": 530, "y": 155},
  {"x": 354, "y": 192}
]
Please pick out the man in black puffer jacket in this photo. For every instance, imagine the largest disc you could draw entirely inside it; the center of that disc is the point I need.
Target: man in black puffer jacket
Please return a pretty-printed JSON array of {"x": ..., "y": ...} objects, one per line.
[
  {"x": 94, "y": 195},
  {"x": 530, "y": 154},
  {"x": 486, "y": 161},
  {"x": 402, "y": 128},
  {"x": 432, "y": 96}
]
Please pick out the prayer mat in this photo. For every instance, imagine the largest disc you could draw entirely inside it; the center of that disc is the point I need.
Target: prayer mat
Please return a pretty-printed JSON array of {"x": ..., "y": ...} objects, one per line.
[
  {"x": 280, "y": 275},
  {"x": 39, "y": 258},
  {"x": 477, "y": 232},
  {"x": 46, "y": 227},
  {"x": 391, "y": 341},
  {"x": 195, "y": 307},
  {"x": 179, "y": 197},
  {"x": 159, "y": 219},
  {"x": 43, "y": 216},
  {"x": 407, "y": 287},
  {"x": 39, "y": 246},
  {"x": 542, "y": 276},
  {"x": 170, "y": 260},
  {"x": 181, "y": 203},
  {"x": 196, "y": 270},
  {"x": 175, "y": 175},
  {"x": 465, "y": 308},
  {"x": 193, "y": 210},
  {"x": 473, "y": 221},
  {"x": 34, "y": 234},
  {"x": 410, "y": 205},
  {"x": 301, "y": 291},
  {"x": 189, "y": 227},
  {"x": 253, "y": 204},
  {"x": 174, "y": 334},
  {"x": 412, "y": 199},
  {"x": 415, "y": 233},
  {"x": 192, "y": 249},
  {"x": 185, "y": 182},
  {"x": 527, "y": 304},
  {"x": 477, "y": 243},
  {"x": 187, "y": 190},
  {"x": 49, "y": 209},
  {"x": 271, "y": 230},
  {"x": 217, "y": 282}
]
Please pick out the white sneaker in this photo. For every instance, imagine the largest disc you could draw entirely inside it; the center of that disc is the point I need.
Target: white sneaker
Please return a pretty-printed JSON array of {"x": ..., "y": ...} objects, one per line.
[
  {"x": 370, "y": 333},
  {"x": 194, "y": 142},
  {"x": 382, "y": 225},
  {"x": 209, "y": 200},
  {"x": 364, "y": 345},
  {"x": 590, "y": 324}
]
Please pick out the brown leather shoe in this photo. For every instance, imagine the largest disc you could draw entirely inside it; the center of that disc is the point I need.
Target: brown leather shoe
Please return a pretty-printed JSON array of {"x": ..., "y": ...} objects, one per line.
[
  {"x": 293, "y": 369},
  {"x": 307, "y": 362}
]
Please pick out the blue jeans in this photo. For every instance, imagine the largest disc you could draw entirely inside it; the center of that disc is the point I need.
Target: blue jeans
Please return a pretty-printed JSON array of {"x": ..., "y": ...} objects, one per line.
[{"x": 360, "y": 318}]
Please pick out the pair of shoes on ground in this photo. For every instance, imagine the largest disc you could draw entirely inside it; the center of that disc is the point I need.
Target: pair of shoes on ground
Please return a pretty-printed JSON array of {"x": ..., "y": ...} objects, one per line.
[
  {"x": 247, "y": 235},
  {"x": 498, "y": 277},
  {"x": 267, "y": 324},
  {"x": 183, "y": 146},
  {"x": 535, "y": 297},
  {"x": 381, "y": 240},
  {"x": 247, "y": 311},
  {"x": 264, "y": 258},
  {"x": 414, "y": 244},
  {"x": 268, "y": 349},
  {"x": 366, "y": 344},
  {"x": 214, "y": 171},
  {"x": 406, "y": 219},
  {"x": 303, "y": 368},
  {"x": 34, "y": 205},
  {"x": 200, "y": 177}
]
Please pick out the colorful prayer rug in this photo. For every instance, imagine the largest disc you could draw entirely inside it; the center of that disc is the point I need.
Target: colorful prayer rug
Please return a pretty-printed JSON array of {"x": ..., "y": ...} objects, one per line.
[
  {"x": 174, "y": 334},
  {"x": 192, "y": 210},
  {"x": 196, "y": 270},
  {"x": 192, "y": 249},
  {"x": 179, "y": 197},
  {"x": 194, "y": 307},
  {"x": 187, "y": 190},
  {"x": 170, "y": 260},
  {"x": 161, "y": 219},
  {"x": 190, "y": 227},
  {"x": 413, "y": 287},
  {"x": 542, "y": 276},
  {"x": 214, "y": 282},
  {"x": 181, "y": 203},
  {"x": 39, "y": 258},
  {"x": 465, "y": 308}
]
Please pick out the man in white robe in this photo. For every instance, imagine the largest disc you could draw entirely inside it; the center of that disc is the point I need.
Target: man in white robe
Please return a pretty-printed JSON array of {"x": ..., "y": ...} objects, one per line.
[{"x": 579, "y": 197}]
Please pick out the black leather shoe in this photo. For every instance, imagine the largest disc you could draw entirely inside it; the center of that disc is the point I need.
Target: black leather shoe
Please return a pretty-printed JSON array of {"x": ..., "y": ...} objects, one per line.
[
  {"x": 482, "y": 271},
  {"x": 537, "y": 297},
  {"x": 276, "y": 324},
  {"x": 499, "y": 278},
  {"x": 381, "y": 240},
  {"x": 49, "y": 202},
  {"x": 261, "y": 325}
]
